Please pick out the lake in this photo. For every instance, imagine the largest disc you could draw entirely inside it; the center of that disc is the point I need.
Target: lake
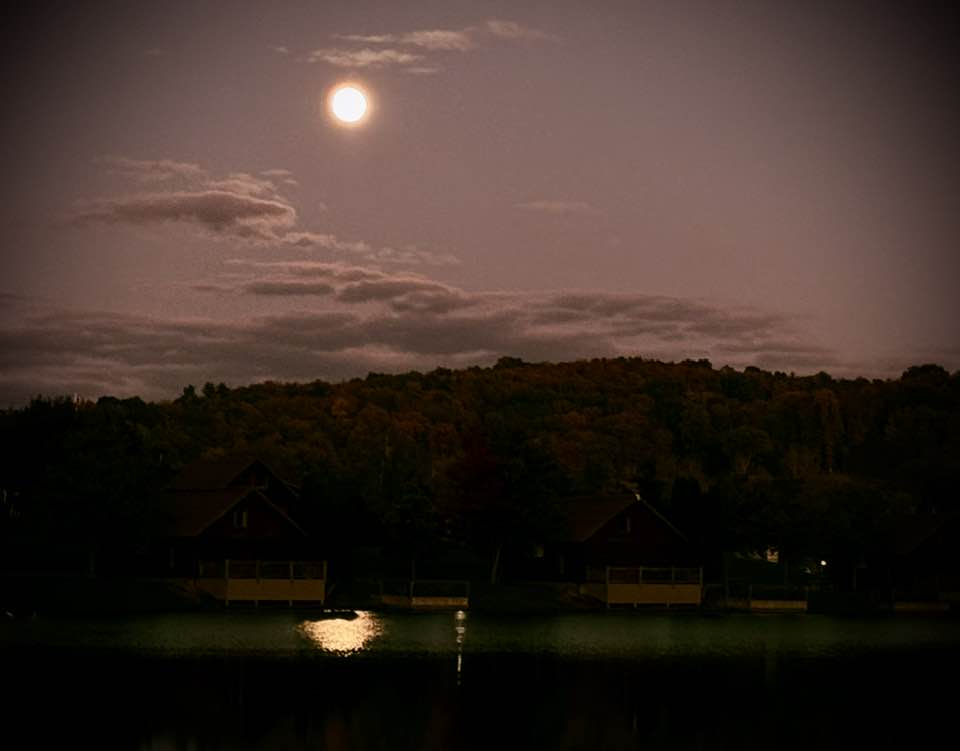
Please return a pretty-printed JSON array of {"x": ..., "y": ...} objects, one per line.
[{"x": 281, "y": 680}]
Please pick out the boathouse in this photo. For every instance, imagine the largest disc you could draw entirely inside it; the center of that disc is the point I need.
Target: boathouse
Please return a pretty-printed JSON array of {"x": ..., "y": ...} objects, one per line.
[
  {"x": 228, "y": 528},
  {"x": 623, "y": 551}
]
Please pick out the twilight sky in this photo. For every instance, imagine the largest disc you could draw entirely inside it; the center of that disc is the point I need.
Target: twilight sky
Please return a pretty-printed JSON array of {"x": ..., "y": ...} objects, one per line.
[{"x": 757, "y": 183}]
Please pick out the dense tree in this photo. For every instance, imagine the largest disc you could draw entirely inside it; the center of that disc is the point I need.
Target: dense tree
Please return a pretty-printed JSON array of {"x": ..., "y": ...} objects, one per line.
[{"x": 484, "y": 457}]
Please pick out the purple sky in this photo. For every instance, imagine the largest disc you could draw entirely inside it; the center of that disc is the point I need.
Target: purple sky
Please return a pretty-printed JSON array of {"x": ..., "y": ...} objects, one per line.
[{"x": 744, "y": 181}]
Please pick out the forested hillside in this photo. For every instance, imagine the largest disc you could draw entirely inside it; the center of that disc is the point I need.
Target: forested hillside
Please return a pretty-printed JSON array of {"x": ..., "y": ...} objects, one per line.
[{"x": 739, "y": 460}]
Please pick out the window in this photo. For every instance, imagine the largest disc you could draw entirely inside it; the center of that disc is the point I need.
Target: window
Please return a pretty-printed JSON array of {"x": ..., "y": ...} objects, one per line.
[{"x": 240, "y": 519}]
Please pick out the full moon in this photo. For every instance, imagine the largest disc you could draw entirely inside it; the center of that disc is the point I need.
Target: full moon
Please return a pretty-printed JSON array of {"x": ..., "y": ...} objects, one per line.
[{"x": 348, "y": 104}]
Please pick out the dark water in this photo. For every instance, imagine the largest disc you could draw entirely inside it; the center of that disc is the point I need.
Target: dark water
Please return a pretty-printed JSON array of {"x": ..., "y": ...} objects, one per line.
[{"x": 459, "y": 681}]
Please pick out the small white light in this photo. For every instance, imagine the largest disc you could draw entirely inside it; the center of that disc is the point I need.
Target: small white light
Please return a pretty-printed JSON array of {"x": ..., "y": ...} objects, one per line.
[{"x": 823, "y": 563}]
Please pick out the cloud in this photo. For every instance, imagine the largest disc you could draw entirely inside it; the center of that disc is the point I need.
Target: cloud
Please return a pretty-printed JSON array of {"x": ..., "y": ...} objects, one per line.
[
  {"x": 218, "y": 211},
  {"x": 444, "y": 40},
  {"x": 514, "y": 31},
  {"x": 363, "y": 58},
  {"x": 423, "y": 70},
  {"x": 280, "y": 49},
  {"x": 286, "y": 178},
  {"x": 396, "y": 49},
  {"x": 244, "y": 184},
  {"x": 373, "y": 319},
  {"x": 239, "y": 206},
  {"x": 155, "y": 170},
  {"x": 410, "y": 256},
  {"x": 286, "y": 288},
  {"x": 402, "y": 291},
  {"x": 559, "y": 208},
  {"x": 440, "y": 39}
]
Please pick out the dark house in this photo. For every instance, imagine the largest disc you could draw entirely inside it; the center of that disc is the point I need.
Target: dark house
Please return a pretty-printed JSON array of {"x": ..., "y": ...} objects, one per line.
[
  {"x": 227, "y": 527},
  {"x": 623, "y": 551},
  {"x": 913, "y": 562}
]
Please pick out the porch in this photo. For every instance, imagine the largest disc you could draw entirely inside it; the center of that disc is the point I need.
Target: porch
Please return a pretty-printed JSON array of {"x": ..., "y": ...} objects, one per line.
[
  {"x": 260, "y": 581},
  {"x": 644, "y": 585}
]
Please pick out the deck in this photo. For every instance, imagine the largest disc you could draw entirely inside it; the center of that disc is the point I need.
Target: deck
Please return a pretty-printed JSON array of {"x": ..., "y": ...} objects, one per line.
[
  {"x": 426, "y": 594},
  {"x": 254, "y": 582},
  {"x": 643, "y": 585}
]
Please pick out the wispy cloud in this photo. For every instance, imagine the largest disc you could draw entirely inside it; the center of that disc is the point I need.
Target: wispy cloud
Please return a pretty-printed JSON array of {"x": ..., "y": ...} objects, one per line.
[
  {"x": 152, "y": 170},
  {"x": 559, "y": 208},
  {"x": 416, "y": 51},
  {"x": 429, "y": 39},
  {"x": 423, "y": 70},
  {"x": 278, "y": 173},
  {"x": 364, "y": 57},
  {"x": 239, "y": 206},
  {"x": 285, "y": 176},
  {"x": 244, "y": 184},
  {"x": 338, "y": 319},
  {"x": 401, "y": 290},
  {"x": 219, "y": 211},
  {"x": 513, "y": 30},
  {"x": 375, "y": 320}
]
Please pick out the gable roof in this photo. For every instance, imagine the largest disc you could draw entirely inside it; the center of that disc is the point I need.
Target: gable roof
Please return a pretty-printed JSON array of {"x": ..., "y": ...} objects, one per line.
[
  {"x": 216, "y": 473},
  {"x": 588, "y": 514},
  {"x": 190, "y": 513},
  {"x": 206, "y": 490},
  {"x": 905, "y": 535}
]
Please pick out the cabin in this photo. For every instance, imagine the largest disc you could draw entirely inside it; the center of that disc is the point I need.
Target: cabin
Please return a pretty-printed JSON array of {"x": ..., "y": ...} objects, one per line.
[
  {"x": 623, "y": 551},
  {"x": 228, "y": 528}
]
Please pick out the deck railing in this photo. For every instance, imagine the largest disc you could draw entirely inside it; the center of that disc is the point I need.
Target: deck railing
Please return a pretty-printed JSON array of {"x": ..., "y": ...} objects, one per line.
[
  {"x": 425, "y": 593},
  {"x": 256, "y": 581},
  {"x": 647, "y": 585}
]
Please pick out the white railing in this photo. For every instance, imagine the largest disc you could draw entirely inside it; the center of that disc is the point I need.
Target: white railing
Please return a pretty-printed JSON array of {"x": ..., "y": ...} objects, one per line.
[
  {"x": 258, "y": 581},
  {"x": 648, "y": 585}
]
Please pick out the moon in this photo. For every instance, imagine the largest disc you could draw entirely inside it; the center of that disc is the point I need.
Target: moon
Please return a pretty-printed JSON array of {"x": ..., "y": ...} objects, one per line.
[{"x": 349, "y": 104}]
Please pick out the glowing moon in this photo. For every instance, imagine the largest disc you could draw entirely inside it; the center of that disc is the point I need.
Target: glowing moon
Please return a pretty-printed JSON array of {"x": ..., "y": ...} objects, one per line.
[{"x": 348, "y": 103}]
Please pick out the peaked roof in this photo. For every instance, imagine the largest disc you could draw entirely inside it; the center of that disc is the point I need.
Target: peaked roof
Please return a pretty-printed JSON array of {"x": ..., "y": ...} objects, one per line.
[
  {"x": 588, "y": 514},
  {"x": 214, "y": 474},
  {"x": 204, "y": 492},
  {"x": 907, "y": 534},
  {"x": 190, "y": 513}
]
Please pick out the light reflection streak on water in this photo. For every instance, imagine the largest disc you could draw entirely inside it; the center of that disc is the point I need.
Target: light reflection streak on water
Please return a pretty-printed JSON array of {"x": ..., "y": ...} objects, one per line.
[
  {"x": 461, "y": 629},
  {"x": 343, "y": 636}
]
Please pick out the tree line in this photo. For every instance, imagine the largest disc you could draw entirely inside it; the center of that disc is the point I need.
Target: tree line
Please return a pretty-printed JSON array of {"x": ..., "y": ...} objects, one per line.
[{"x": 482, "y": 457}]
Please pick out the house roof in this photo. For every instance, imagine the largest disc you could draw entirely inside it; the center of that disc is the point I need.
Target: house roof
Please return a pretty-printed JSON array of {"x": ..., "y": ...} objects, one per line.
[
  {"x": 190, "y": 513},
  {"x": 908, "y": 534},
  {"x": 214, "y": 474},
  {"x": 203, "y": 493},
  {"x": 588, "y": 514}
]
